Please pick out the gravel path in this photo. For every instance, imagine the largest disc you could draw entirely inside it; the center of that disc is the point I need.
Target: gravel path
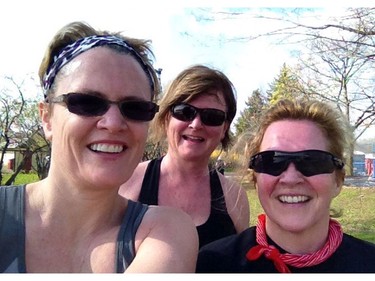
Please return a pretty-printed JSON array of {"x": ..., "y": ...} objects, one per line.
[{"x": 360, "y": 181}]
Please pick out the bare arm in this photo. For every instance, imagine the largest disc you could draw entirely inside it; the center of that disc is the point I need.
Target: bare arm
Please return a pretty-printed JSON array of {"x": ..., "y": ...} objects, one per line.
[
  {"x": 237, "y": 203},
  {"x": 166, "y": 242}
]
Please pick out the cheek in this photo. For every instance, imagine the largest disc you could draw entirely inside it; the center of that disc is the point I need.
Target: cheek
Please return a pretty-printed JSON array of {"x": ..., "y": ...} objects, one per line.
[
  {"x": 264, "y": 184},
  {"x": 326, "y": 185},
  {"x": 141, "y": 132},
  {"x": 216, "y": 132},
  {"x": 175, "y": 126}
]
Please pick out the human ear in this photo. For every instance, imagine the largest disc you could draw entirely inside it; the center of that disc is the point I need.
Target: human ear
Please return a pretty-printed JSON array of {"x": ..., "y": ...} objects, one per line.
[{"x": 45, "y": 116}]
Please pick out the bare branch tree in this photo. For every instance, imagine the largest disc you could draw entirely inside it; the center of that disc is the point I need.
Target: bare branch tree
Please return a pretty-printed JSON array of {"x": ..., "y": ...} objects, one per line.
[{"x": 21, "y": 129}]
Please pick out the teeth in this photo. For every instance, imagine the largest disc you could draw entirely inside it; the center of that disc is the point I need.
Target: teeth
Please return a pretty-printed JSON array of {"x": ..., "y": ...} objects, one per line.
[
  {"x": 293, "y": 199},
  {"x": 194, "y": 138},
  {"x": 109, "y": 148}
]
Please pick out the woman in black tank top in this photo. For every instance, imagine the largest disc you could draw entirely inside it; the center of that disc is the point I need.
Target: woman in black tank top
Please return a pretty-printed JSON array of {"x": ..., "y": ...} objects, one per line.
[{"x": 194, "y": 117}]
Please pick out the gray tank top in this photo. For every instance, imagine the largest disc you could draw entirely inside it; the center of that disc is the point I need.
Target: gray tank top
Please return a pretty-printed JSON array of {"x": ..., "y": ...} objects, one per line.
[{"x": 12, "y": 231}]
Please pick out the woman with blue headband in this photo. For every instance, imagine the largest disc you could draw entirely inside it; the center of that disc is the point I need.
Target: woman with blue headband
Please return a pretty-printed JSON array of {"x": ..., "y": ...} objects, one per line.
[{"x": 99, "y": 91}]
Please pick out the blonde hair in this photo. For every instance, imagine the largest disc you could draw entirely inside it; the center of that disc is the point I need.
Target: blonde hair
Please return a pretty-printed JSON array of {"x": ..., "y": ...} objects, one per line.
[{"x": 330, "y": 120}]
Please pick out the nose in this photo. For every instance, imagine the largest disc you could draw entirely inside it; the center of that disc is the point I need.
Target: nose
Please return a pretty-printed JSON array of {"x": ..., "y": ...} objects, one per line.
[
  {"x": 196, "y": 122},
  {"x": 291, "y": 174},
  {"x": 112, "y": 120}
]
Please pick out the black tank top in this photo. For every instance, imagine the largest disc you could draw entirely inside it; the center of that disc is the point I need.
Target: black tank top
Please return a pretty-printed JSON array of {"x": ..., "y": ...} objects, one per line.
[
  {"x": 12, "y": 231},
  {"x": 219, "y": 223}
]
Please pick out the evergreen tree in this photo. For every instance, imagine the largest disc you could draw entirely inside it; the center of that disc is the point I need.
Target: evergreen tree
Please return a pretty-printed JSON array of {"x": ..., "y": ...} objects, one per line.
[
  {"x": 286, "y": 85},
  {"x": 248, "y": 118}
]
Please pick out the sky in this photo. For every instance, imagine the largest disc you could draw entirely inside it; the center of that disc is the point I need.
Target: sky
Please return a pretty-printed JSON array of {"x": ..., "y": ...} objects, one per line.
[{"x": 178, "y": 39}]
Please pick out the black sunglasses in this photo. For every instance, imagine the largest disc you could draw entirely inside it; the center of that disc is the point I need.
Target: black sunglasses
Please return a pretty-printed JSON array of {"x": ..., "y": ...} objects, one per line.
[
  {"x": 90, "y": 106},
  {"x": 209, "y": 116},
  {"x": 308, "y": 162}
]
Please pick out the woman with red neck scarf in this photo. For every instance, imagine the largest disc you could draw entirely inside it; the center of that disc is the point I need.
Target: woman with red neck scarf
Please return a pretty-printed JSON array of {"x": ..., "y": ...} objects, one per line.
[{"x": 297, "y": 165}]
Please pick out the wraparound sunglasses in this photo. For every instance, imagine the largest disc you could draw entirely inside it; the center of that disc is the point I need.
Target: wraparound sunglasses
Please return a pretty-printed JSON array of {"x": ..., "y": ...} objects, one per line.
[
  {"x": 209, "y": 116},
  {"x": 308, "y": 162},
  {"x": 90, "y": 106}
]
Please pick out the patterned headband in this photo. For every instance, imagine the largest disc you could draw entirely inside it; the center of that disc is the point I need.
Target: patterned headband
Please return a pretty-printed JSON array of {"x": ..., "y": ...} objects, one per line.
[{"x": 71, "y": 51}]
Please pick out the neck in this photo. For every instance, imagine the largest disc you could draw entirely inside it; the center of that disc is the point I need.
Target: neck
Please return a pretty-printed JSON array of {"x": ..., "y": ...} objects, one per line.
[
  {"x": 185, "y": 168},
  {"x": 58, "y": 208},
  {"x": 299, "y": 242},
  {"x": 281, "y": 261}
]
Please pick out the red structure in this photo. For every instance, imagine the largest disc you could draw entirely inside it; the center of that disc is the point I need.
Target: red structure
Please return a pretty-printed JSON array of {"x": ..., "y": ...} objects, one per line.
[{"x": 369, "y": 165}]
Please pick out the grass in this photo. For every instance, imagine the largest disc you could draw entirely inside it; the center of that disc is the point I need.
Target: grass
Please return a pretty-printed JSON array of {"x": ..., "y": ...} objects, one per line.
[
  {"x": 21, "y": 178},
  {"x": 356, "y": 206}
]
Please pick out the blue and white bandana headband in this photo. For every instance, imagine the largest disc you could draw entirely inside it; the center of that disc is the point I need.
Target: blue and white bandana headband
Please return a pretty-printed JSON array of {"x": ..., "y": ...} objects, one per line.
[{"x": 71, "y": 51}]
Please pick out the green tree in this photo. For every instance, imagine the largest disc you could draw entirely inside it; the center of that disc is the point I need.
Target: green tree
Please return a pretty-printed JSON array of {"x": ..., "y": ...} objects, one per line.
[
  {"x": 285, "y": 85},
  {"x": 248, "y": 118}
]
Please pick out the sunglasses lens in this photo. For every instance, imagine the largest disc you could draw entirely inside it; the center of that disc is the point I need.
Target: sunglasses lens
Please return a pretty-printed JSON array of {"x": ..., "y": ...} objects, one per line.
[
  {"x": 86, "y": 105},
  {"x": 313, "y": 163},
  {"x": 308, "y": 162},
  {"x": 209, "y": 116},
  {"x": 139, "y": 110},
  {"x": 184, "y": 112},
  {"x": 266, "y": 162},
  {"x": 212, "y": 117}
]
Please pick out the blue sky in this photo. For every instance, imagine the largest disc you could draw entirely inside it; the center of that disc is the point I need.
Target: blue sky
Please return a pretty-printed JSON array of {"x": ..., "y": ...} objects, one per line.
[{"x": 179, "y": 38}]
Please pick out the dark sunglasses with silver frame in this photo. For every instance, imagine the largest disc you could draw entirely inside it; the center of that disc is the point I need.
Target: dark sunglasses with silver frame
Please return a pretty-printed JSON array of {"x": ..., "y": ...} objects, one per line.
[
  {"x": 308, "y": 162},
  {"x": 90, "y": 106},
  {"x": 209, "y": 116}
]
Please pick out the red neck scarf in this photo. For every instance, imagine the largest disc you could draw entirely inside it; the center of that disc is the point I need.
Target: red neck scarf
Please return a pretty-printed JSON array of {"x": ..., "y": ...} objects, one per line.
[{"x": 282, "y": 260}]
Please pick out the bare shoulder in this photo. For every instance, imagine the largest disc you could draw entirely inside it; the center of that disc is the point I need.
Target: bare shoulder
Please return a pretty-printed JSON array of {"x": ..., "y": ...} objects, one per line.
[
  {"x": 169, "y": 217},
  {"x": 231, "y": 187},
  {"x": 169, "y": 236},
  {"x": 140, "y": 170},
  {"x": 131, "y": 188}
]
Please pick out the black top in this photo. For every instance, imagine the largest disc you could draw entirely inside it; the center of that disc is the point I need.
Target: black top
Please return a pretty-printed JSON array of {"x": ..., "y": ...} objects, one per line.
[
  {"x": 228, "y": 255},
  {"x": 219, "y": 223},
  {"x": 12, "y": 231}
]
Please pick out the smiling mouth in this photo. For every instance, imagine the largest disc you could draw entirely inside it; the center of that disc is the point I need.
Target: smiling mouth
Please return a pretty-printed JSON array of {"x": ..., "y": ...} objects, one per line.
[
  {"x": 293, "y": 199},
  {"x": 192, "y": 138},
  {"x": 107, "y": 148}
]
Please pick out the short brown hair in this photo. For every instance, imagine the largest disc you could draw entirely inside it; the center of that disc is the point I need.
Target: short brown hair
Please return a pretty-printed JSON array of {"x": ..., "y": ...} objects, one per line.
[{"x": 190, "y": 84}]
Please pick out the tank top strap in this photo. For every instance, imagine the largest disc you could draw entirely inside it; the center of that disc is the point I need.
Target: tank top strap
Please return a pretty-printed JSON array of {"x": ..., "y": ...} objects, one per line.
[
  {"x": 150, "y": 184},
  {"x": 125, "y": 251},
  {"x": 217, "y": 195}
]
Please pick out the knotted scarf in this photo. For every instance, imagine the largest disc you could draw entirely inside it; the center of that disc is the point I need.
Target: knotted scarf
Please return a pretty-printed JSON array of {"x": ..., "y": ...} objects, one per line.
[{"x": 281, "y": 261}]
